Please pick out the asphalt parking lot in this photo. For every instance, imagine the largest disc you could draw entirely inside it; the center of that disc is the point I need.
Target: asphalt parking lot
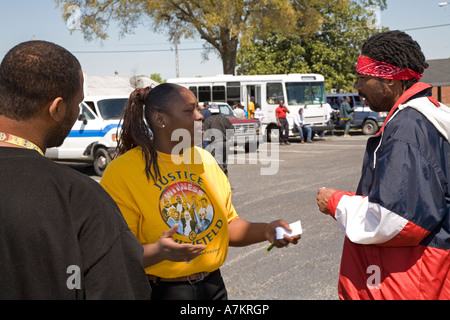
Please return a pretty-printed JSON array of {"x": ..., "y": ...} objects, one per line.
[
  {"x": 310, "y": 269},
  {"x": 269, "y": 185}
]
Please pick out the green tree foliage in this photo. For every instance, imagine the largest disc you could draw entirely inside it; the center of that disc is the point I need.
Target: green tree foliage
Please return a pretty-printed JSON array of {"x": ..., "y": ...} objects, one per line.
[
  {"x": 332, "y": 51},
  {"x": 157, "y": 77},
  {"x": 223, "y": 24}
]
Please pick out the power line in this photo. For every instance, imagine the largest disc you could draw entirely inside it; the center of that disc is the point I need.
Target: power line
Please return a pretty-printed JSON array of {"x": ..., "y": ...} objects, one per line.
[
  {"x": 135, "y": 51},
  {"x": 195, "y": 49},
  {"x": 428, "y": 27}
]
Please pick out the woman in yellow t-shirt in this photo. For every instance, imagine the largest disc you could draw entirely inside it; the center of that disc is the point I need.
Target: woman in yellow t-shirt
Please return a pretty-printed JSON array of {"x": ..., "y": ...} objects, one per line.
[{"x": 175, "y": 198}]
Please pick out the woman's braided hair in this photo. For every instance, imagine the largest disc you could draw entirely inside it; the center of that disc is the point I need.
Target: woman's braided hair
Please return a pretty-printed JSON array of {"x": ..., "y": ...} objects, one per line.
[
  {"x": 396, "y": 48},
  {"x": 137, "y": 127}
]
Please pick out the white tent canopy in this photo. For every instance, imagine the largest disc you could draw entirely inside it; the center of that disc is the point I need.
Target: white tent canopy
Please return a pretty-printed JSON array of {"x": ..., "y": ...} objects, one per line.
[{"x": 114, "y": 86}]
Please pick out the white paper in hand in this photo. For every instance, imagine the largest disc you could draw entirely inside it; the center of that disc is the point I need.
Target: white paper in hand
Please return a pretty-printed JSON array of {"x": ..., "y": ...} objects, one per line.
[{"x": 296, "y": 229}]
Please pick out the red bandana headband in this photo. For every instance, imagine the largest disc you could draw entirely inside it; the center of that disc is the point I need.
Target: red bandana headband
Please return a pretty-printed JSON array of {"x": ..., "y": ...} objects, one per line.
[{"x": 384, "y": 70}]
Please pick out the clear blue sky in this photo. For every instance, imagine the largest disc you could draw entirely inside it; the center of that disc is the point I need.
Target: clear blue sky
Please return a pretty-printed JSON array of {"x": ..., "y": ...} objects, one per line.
[{"x": 20, "y": 20}]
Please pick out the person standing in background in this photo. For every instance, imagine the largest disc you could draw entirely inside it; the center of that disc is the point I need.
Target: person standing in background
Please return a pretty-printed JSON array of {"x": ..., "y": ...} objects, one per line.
[
  {"x": 345, "y": 112},
  {"x": 251, "y": 108},
  {"x": 218, "y": 133},
  {"x": 283, "y": 124},
  {"x": 239, "y": 111}
]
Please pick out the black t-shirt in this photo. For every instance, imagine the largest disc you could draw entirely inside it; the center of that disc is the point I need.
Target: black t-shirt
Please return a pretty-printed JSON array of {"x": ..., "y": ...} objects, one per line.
[
  {"x": 221, "y": 123},
  {"x": 60, "y": 231}
]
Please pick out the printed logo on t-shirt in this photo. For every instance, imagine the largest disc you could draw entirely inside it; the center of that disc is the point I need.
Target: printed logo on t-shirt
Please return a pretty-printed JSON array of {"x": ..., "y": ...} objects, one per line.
[{"x": 188, "y": 205}]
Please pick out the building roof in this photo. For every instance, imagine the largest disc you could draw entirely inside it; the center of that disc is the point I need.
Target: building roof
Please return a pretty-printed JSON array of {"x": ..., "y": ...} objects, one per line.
[
  {"x": 438, "y": 73},
  {"x": 114, "y": 86}
]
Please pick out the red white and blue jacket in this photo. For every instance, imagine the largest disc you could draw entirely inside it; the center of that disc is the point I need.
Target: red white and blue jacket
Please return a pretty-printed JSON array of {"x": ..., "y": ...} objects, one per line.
[{"x": 397, "y": 224}]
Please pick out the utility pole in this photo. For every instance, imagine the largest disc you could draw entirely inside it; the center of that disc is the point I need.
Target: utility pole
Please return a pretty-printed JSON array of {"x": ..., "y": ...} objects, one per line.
[
  {"x": 176, "y": 40},
  {"x": 175, "y": 35}
]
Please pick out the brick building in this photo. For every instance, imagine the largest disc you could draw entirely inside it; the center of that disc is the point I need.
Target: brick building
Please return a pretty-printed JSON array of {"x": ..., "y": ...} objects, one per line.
[{"x": 438, "y": 75}]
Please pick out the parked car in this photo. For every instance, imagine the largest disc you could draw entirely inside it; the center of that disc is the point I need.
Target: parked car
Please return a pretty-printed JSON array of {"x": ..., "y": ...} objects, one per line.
[
  {"x": 246, "y": 131},
  {"x": 93, "y": 137},
  {"x": 362, "y": 118}
]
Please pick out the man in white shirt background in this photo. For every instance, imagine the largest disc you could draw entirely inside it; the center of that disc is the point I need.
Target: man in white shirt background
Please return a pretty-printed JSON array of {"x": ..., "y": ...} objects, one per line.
[{"x": 298, "y": 123}]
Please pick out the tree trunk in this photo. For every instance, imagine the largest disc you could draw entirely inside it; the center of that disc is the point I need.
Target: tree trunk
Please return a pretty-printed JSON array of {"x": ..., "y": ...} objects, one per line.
[
  {"x": 226, "y": 45},
  {"x": 228, "y": 52},
  {"x": 229, "y": 62}
]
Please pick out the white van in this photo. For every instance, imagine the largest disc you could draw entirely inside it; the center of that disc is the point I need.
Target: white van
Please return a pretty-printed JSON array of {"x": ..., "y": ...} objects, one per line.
[{"x": 93, "y": 137}]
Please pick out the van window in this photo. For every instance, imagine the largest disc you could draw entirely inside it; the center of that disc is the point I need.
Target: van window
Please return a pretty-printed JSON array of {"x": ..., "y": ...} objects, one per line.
[
  {"x": 86, "y": 112},
  {"x": 357, "y": 100},
  {"x": 274, "y": 93},
  {"x": 91, "y": 105},
  {"x": 111, "y": 108}
]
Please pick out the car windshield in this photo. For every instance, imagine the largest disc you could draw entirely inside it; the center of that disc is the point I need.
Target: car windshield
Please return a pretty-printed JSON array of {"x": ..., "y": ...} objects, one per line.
[
  {"x": 111, "y": 108},
  {"x": 225, "y": 109},
  {"x": 301, "y": 93}
]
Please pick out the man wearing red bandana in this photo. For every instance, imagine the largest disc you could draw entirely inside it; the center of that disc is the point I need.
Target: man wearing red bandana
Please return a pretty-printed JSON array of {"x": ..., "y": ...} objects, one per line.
[{"x": 397, "y": 223}]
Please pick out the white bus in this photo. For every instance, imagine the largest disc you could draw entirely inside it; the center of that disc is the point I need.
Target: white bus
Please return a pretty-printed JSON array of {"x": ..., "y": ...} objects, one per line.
[{"x": 305, "y": 91}]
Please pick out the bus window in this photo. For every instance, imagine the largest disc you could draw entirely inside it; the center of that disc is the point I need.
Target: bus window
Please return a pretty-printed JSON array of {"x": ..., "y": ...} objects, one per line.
[
  {"x": 233, "y": 92},
  {"x": 194, "y": 91},
  {"x": 204, "y": 93},
  {"x": 300, "y": 93},
  {"x": 274, "y": 93},
  {"x": 218, "y": 93}
]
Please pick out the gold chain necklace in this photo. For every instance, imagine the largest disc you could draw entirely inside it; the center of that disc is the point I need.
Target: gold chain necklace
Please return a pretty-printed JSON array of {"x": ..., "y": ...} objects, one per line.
[{"x": 18, "y": 141}]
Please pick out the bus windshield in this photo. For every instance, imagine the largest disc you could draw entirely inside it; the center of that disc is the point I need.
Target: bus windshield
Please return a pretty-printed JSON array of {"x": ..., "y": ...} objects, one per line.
[{"x": 301, "y": 93}]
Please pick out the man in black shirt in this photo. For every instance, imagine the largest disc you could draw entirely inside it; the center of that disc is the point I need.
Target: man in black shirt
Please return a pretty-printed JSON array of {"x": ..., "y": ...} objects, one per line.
[
  {"x": 61, "y": 235},
  {"x": 218, "y": 130}
]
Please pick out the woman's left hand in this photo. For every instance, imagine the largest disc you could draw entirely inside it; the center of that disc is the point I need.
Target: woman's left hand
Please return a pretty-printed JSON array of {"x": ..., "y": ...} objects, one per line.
[{"x": 271, "y": 234}]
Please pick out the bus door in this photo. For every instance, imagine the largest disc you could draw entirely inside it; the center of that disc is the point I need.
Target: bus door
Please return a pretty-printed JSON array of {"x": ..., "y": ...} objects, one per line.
[{"x": 253, "y": 90}]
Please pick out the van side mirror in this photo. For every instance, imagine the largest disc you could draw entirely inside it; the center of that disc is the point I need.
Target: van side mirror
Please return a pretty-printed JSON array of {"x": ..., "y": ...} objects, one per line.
[{"x": 82, "y": 117}]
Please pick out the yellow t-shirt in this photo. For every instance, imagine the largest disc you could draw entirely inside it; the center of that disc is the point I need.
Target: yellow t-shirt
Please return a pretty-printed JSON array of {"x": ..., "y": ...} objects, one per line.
[{"x": 196, "y": 195}]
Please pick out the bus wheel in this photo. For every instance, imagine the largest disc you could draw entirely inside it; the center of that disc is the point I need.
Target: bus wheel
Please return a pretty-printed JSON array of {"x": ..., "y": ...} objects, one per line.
[
  {"x": 273, "y": 134},
  {"x": 101, "y": 161},
  {"x": 370, "y": 127}
]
